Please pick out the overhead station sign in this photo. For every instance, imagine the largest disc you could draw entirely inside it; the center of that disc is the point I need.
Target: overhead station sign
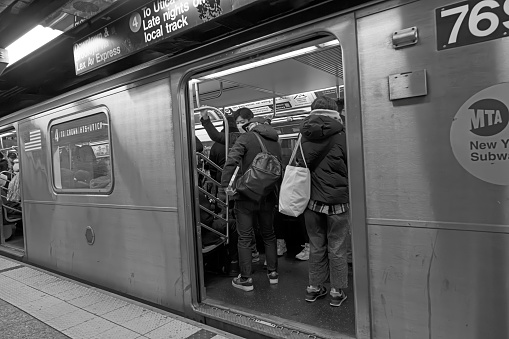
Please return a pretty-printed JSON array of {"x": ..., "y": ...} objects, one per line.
[{"x": 156, "y": 21}]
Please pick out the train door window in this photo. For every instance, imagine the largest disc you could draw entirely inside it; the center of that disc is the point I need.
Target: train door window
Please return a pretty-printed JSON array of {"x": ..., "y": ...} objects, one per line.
[
  {"x": 10, "y": 191},
  {"x": 280, "y": 86},
  {"x": 81, "y": 153}
]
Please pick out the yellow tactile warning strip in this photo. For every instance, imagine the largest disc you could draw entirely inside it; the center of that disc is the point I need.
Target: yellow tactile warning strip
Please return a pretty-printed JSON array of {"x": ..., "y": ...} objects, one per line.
[{"x": 82, "y": 312}]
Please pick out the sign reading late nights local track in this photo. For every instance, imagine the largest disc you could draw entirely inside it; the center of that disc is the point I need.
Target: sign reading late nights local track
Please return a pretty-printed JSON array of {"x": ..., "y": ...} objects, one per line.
[
  {"x": 156, "y": 21},
  {"x": 470, "y": 22},
  {"x": 480, "y": 135}
]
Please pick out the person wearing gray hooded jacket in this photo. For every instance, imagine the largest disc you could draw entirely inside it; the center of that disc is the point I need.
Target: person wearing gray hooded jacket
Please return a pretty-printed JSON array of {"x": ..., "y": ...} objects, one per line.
[{"x": 326, "y": 216}]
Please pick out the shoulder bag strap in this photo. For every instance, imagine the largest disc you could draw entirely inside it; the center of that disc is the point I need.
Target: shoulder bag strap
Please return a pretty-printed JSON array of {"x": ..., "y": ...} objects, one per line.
[
  {"x": 264, "y": 150},
  {"x": 294, "y": 153},
  {"x": 325, "y": 152}
]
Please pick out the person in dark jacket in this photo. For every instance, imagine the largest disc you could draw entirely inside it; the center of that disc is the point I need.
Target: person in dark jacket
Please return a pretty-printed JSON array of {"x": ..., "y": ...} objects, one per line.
[
  {"x": 342, "y": 114},
  {"x": 240, "y": 117},
  {"x": 4, "y": 165},
  {"x": 341, "y": 109},
  {"x": 326, "y": 217},
  {"x": 242, "y": 155},
  {"x": 199, "y": 145},
  {"x": 217, "y": 151}
]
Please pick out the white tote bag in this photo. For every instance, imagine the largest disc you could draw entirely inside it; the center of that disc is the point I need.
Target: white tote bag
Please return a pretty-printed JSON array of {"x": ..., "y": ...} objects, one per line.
[{"x": 296, "y": 188}]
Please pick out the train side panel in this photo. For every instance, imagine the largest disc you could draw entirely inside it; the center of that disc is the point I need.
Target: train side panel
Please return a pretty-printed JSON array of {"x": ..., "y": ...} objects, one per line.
[
  {"x": 137, "y": 240},
  {"x": 437, "y": 236}
]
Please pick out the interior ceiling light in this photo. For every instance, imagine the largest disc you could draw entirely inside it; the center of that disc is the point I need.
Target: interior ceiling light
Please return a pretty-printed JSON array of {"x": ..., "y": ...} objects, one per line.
[
  {"x": 34, "y": 39},
  {"x": 271, "y": 60},
  {"x": 329, "y": 44}
]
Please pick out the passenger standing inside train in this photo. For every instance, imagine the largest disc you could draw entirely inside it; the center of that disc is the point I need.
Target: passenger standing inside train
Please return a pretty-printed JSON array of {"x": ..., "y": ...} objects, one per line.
[
  {"x": 217, "y": 151},
  {"x": 14, "y": 189},
  {"x": 4, "y": 165},
  {"x": 342, "y": 113},
  {"x": 326, "y": 217},
  {"x": 241, "y": 155},
  {"x": 241, "y": 117}
]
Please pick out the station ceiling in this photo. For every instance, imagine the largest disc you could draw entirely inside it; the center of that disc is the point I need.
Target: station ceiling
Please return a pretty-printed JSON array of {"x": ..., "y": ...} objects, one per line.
[{"x": 49, "y": 71}]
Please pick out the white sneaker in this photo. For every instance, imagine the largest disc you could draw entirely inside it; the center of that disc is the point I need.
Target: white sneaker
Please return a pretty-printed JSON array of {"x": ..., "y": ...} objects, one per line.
[
  {"x": 281, "y": 247},
  {"x": 304, "y": 254}
]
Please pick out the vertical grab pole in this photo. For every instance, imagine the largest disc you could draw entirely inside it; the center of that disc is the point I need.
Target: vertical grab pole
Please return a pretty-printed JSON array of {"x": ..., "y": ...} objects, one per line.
[
  {"x": 226, "y": 149},
  {"x": 274, "y": 104},
  {"x": 197, "y": 93}
]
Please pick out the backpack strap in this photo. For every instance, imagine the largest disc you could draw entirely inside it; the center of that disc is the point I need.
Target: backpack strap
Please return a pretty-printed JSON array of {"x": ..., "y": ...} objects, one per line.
[
  {"x": 324, "y": 153},
  {"x": 264, "y": 149}
]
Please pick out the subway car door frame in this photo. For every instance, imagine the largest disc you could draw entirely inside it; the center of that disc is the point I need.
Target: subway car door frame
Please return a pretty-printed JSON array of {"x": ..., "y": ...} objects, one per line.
[
  {"x": 342, "y": 28},
  {"x": 15, "y": 251}
]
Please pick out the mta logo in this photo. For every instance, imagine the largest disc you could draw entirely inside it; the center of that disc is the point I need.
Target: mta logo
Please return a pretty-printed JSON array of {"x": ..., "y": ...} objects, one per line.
[{"x": 488, "y": 117}]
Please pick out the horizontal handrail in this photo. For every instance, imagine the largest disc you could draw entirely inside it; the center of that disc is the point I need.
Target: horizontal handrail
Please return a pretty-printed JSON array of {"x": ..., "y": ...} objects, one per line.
[
  {"x": 200, "y": 155},
  {"x": 212, "y": 230},
  {"x": 211, "y": 196},
  {"x": 212, "y": 213},
  {"x": 209, "y": 177},
  {"x": 11, "y": 208},
  {"x": 226, "y": 146}
]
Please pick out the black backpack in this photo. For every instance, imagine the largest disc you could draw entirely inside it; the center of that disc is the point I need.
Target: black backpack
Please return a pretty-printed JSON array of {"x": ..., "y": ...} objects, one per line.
[{"x": 263, "y": 175}]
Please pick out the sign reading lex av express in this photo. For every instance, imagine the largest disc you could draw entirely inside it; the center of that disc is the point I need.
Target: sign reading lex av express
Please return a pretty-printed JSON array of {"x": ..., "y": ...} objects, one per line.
[{"x": 156, "y": 21}]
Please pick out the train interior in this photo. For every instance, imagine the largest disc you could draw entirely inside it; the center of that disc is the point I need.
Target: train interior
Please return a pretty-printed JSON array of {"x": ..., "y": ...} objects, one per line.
[
  {"x": 280, "y": 86},
  {"x": 12, "y": 217}
]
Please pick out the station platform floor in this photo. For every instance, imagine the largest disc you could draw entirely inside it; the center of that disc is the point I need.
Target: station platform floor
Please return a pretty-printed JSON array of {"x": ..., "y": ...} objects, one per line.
[{"x": 37, "y": 304}]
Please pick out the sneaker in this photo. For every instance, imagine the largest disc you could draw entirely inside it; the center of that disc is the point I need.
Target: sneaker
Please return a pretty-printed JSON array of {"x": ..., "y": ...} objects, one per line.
[
  {"x": 245, "y": 284},
  {"x": 312, "y": 294},
  {"x": 304, "y": 254},
  {"x": 255, "y": 256},
  {"x": 273, "y": 277},
  {"x": 337, "y": 299},
  {"x": 281, "y": 247}
]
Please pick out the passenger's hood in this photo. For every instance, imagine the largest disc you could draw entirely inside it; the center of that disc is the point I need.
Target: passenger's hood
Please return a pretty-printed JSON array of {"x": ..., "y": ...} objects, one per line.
[
  {"x": 266, "y": 131},
  {"x": 319, "y": 127}
]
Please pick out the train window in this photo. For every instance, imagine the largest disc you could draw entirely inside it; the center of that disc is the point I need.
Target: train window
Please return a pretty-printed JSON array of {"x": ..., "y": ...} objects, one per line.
[
  {"x": 8, "y": 147},
  {"x": 81, "y": 153}
]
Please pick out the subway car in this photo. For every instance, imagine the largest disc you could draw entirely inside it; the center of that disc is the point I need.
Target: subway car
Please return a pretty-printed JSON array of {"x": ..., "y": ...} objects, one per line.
[{"x": 110, "y": 184}]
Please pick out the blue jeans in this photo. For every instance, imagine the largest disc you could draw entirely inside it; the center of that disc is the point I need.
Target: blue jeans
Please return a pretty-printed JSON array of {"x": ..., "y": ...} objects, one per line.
[
  {"x": 327, "y": 244},
  {"x": 246, "y": 213}
]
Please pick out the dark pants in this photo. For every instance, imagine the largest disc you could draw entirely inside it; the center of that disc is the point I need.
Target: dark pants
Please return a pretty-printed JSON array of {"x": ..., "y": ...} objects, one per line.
[
  {"x": 302, "y": 228},
  {"x": 279, "y": 220},
  {"x": 246, "y": 212},
  {"x": 328, "y": 236},
  {"x": 232, "y": 243}
]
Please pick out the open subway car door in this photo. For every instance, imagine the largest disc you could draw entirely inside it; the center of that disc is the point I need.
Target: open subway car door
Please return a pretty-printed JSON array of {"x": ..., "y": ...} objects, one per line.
[{"x": 279, "y": 85}]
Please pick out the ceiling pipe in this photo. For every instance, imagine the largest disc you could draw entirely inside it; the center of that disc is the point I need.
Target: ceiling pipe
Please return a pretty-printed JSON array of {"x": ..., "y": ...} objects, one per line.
[{"x": 4, "y": 60}]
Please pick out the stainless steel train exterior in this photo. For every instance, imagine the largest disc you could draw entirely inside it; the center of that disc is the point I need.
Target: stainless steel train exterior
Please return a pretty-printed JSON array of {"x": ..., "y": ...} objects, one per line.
[{"x": 429, "y": 239}]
